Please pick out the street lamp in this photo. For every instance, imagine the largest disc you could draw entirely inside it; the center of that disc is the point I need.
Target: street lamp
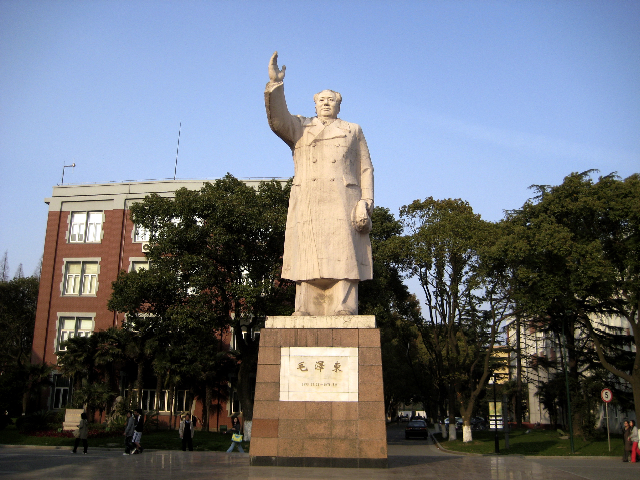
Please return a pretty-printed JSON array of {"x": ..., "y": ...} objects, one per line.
[
  {"x": 63, "y": 167},
  {"x": 494, "y": 377}
]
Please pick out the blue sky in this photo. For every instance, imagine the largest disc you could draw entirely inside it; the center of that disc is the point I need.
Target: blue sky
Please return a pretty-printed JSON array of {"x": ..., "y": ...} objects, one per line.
[{"x": 474, "y": 100}]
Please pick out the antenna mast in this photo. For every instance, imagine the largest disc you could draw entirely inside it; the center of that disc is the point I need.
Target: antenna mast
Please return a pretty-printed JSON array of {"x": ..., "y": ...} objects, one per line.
[{"x": 175, "y": 170}]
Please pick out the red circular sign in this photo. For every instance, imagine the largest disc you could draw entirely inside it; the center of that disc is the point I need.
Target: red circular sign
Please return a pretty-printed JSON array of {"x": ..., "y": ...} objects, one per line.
[{"x": 606, "y": 395}]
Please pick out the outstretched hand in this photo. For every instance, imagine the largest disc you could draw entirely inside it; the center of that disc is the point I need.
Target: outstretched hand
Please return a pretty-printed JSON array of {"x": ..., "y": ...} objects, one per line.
[{"x": 275, "y": 74}]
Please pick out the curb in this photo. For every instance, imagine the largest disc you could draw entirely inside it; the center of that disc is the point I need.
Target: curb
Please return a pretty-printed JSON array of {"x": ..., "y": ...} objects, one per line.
[
  {"x": 528, "y": 457},
  {"x": 67, "y": 447}
]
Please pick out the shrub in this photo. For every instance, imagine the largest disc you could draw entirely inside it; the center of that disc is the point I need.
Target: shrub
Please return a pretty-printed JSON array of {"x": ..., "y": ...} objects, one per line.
[
  {"x": 116, "y": 422},
  {"x": 4, "y": 421},
  {"x": 39, "y": 420}
]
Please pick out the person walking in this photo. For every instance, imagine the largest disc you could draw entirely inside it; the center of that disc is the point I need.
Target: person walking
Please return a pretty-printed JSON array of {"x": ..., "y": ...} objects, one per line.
[
  {"x": 633, "y": 437},
  {"x": 626, "y": 433},
  {"x": 236, "y": 436},
  {"x": 137, "y": 431},
  {"x": 129, "y": 429},
  {"x": 187, "y": 430},
  {"x": 83, "y": 433}
]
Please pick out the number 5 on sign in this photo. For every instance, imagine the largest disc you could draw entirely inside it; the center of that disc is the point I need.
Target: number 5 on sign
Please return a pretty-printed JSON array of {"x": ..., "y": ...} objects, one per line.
[{"x": 607, "y": 395}]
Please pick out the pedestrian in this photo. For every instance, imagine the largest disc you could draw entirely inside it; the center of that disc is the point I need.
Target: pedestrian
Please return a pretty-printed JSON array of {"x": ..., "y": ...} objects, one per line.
[
  {"x": 626, "y": 433},
  {"x": 137, "y": 431},
  {"x": 187, "y": 430},
  {"x": 128, "y": 433},
  {"x": 83, "y": 433},
  {"x": 633, "y": 436},
  {"x": 236, "y": 435}
]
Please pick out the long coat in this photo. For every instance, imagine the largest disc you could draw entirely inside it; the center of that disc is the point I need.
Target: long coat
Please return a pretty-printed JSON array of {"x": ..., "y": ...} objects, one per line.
[
  {"x": 83, "y": 429},
  {"x": 333, "y": 172}
]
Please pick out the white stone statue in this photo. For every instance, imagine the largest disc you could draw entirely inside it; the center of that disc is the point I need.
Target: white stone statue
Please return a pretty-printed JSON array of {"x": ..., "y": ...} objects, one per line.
[{"x": 327, "y": 249}]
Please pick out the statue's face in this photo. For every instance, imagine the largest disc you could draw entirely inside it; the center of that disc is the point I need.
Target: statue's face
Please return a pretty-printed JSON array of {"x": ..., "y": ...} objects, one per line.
[{"x": 326, "y": 105}]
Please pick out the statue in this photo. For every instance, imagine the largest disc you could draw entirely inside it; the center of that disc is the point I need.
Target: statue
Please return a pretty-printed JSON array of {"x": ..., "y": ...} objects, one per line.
[{"x": 327, "y": 250}]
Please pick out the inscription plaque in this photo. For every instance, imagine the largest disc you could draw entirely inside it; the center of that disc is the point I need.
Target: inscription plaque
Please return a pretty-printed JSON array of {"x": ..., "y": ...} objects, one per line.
[{"x": 319, "y": 374}]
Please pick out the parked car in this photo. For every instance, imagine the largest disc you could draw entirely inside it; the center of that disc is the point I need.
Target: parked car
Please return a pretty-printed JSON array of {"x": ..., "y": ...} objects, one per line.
[
  {"x": 478, "y": 423},
  {"x": 416, "y": 428},
  {"x": 458, "y": 423}
]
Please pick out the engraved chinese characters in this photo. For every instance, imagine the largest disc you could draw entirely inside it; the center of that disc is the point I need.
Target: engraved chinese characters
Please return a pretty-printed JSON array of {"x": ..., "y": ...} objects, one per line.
[
  {"x": 319, "y": 374},
  {"x": 319, "y": 366}
]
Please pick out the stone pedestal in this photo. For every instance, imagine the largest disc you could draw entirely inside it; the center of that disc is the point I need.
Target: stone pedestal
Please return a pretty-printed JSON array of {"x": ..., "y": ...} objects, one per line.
[
  {"x": 319, "y": 399},
  {"x": 72, "y": 418}
]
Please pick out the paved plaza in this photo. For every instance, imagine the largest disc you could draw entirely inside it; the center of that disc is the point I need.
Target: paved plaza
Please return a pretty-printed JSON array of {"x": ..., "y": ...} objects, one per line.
[
  {"x": 408, "y": 459},
  {"x": 46, "y": 463}
]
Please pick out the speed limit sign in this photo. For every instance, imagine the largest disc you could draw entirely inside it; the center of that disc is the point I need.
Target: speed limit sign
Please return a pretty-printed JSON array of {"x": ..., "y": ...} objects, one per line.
[{"x": 606, "y": 395}]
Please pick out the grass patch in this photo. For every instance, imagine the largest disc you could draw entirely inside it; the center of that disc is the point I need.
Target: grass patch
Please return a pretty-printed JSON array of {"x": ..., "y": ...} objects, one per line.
[
  {"x": 156, "y": 440},
  {"x": 537, "y": 442}
]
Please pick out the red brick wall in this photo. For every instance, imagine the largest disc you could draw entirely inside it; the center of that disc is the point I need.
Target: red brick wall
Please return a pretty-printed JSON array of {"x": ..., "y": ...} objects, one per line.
[{"x": 114, "y": 252}]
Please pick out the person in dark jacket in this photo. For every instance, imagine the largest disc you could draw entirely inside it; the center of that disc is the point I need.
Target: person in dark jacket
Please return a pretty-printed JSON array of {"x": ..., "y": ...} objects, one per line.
[
  {"x": 137, "y": 433},
  {"x": 129, "y": 429},
  {"x": 187, "y": 430},
  {"x": 236, "y": 429},
  {"x": 626, "y": 437}
]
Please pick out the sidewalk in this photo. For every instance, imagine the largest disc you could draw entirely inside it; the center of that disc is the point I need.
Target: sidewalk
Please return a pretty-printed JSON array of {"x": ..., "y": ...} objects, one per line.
[{"x": 405, "y": 461}]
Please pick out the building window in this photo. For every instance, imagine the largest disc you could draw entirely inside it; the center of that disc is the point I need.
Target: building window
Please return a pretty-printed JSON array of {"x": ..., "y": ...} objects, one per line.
[
  {"x": 138, "y": 264},
  {"x": 85, "y": 227},
  {"x": 253, "y": 333},
  {"x": 62, "y": 387},
  {"x": 234, "y": 403},
  {"x": 183, "y": 401},
  {"x": 141, "y": 234},
  {"x": 148, "y": 400},
  {"x": 80, "y": 278},
  {"x": 72, "y": 326}
]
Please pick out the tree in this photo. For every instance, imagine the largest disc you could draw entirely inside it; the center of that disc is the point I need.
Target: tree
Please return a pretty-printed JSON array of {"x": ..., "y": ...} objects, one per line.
[
  {"x": 467, "y": 299},
  {"x": 577, "y": 250},
  {"x": 215, "y": 260},
  {"x": 387, "y": 297},
  {"x": 4, "y": 267},
  {"x": 18, "y": 300},
  {"x": 19, "y": 272}
]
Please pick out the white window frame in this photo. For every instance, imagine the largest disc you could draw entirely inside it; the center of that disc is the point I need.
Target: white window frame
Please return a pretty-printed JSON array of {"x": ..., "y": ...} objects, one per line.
[
  {"x": 85, "y": 230},
  {"x": 86, "y": 281},
  {"x": 140, "y": 234},
  {"x": 255, "y": 335},
  {"x": 151, "y": 403},
  {"x": 233, "y": 399},
  {"x": 138, "y": 261},
  {"x": 65, "y": 332},
  {"x": 60, "y": 392},
  {"x": 183, "y": 399}
]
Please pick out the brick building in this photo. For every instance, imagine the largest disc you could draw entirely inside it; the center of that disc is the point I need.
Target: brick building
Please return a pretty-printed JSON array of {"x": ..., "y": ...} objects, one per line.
[{"x": 89, "y": 239}]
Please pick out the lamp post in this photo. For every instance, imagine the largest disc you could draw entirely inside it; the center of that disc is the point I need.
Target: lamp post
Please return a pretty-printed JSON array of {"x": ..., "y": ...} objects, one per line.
[
  {"x": 66, "y": 166},
  {"x": 495, "y": 414}
]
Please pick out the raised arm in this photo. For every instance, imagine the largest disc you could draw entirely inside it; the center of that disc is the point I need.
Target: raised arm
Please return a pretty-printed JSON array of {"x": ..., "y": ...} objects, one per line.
[
  {"x": 283, "y": 124},
  {"x": 275, "y": 75}
]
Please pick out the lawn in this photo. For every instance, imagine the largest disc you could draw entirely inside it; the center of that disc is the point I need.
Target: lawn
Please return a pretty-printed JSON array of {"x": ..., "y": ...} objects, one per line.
[
  {"x": 157, "y": 440},
  {"x": 536, "y": 442}
]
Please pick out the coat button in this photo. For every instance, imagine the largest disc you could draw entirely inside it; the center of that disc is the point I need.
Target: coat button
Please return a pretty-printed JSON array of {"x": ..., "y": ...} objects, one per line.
[
  {"x": 313, "y": 179},
  {"x": 333, "y": 161},
  {"x": 314, "y": 160},
  {"x": 331, "y": 179}
]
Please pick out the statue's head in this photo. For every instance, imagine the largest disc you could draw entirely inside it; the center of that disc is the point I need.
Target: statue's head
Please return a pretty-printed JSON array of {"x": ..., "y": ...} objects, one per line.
[{"x": 327, "y": 103}]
